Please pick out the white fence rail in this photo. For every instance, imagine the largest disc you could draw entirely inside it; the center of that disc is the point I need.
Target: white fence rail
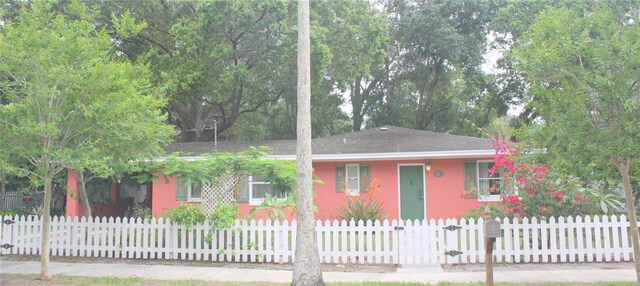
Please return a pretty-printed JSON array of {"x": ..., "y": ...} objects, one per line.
[{"x": 569, "y": 239}]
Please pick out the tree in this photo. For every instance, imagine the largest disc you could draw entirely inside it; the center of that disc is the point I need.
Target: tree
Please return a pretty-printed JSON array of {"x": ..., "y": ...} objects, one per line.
[
  {"x": 306, "y": 270},
  {"x": 583, "y": 66},
  {"x": 70, "y": 98},
  {"x": 355, "y": 37},
  {"x": 215, "y": 60},
  {"x": 431, "y": 77}
]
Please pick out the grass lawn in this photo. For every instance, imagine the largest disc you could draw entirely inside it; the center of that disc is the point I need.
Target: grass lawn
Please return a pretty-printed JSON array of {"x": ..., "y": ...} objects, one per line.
[{"x": 30, "y": 280}]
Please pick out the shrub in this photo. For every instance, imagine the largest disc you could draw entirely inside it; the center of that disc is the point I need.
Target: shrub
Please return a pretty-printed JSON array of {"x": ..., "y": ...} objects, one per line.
[
  {"x": 141, "y": 211},
  {"x": 496, "y": 211},
  {"x": 224, "y": 215},
  {"x": 274, "y": 207},
  {"x": 187, "y": 214},
  {"x": 541, "y": 192},
  {"x": 9, "y": 212},
  {"x": 359, "y": 209},
  {"x": 364, "y": 207}
]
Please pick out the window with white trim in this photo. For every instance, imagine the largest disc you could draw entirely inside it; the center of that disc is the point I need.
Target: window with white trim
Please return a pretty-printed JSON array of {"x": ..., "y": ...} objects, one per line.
[
  {"x": 195, "y": 193},
  {"x": 488, "y": 186},
  {"x": 352, "y": 178},
  {"x": 479, "y": 181},
  {"x": 259, "y": 187}
]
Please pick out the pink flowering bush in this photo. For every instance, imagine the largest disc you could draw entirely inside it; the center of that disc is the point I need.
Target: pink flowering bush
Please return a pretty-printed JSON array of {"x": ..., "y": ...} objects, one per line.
[{"x": 540, "y": 191}]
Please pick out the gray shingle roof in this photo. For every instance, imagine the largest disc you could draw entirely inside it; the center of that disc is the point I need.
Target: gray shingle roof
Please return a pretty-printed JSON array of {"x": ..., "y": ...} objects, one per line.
[{"x": 369, "y": 141}]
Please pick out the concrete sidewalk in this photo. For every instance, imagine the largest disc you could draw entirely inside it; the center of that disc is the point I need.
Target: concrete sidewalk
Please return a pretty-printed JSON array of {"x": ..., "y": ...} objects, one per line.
[{"x": 421, "y": 275}]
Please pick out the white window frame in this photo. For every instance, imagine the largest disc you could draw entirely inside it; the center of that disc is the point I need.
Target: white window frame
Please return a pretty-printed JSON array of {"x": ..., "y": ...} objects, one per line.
[
  {"x": 352, "y": 190},
  {"x": 486, "y": 198},
  {"x": 258, "y": 201},
  {"x": 191, "y": 198}
]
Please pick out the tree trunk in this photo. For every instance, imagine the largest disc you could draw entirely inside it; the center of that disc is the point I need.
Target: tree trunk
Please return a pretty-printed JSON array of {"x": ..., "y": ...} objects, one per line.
[
  {"x": 45, "y": 272},
  {"x": 623, "y": 167},
  {"x": 356, "y": 105},
  {"x": 82, "y": 192},
  {"x": 306, "y": 269}
]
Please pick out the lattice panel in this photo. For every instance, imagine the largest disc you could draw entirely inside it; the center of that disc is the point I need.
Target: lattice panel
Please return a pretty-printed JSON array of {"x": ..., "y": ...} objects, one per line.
[{"x": 218, "y": 192}]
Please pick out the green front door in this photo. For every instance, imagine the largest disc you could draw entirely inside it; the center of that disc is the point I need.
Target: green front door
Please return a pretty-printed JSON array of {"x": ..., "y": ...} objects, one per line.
[{"x": 411, "y": 192}]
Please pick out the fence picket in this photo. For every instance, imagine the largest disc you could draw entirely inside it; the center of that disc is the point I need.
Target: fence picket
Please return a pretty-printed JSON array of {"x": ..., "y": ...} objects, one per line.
[
  {"x": 502, "y": 252},
  {"x": 598, "y": 238},
  {"x": 389, "y": 246},
  {"x": 589, "y": 238},
  {"x": 261, "y": 241},
  {"x": 473, "y": 238},
  {"x": 580, "y": 249},
  {"x": 116, "y": 246},
  {"x": 396, "y": 238},
  {"x": 20, "y": 245},
  {"x": 553, "y": 239},
  {"x": 606, "y": 233},
  {"x": 627, "y": 251},
  {"x": 526, "y": 237},
  {"x": 562, "y": 249},
  {"x": 571, "y": 247},
  {"x": 615, "y": 228},
  {"x": 228, "y": 243},
  {"x": 290, "y": 245}
]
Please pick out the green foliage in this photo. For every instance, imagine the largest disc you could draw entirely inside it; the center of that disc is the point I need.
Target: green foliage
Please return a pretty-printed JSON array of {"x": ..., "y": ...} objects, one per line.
[
  {"x": 582, "y": 63},
  {"x": 366, "y": 206},
  {"x": 187, "y": 214},
  {"x": 542, "y": 192},
  {"x": 73, "y": 194},
  {"x": 274, "y": 207},
  {"x": 141, "y": 211},
  {"x": 224, "y": 215},
  {"x": 496, "y": 211},
  {"x": 608, "y": 202},
  {"x": 9, "y": 212},
  {"x": 37, "y": 210},
  {"x": 68, "y": 100},
  {"x": 360, "y": 209},
  {"x": 280, "y": 173},
  {"x": 393, "y": 62}
]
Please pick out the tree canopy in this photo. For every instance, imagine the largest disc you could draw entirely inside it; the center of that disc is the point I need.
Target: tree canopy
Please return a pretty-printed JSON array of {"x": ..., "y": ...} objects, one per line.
[
  {"x": 71, "y": 101},
  {"x": 583, "y": 66}
]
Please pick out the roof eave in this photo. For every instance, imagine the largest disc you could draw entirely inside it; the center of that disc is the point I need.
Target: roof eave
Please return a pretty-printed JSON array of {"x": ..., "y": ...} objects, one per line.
[{"x": 402, "y": 156}]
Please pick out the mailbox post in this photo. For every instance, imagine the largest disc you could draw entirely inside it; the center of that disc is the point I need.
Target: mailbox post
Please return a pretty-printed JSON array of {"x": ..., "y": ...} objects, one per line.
[{"x": 491, "y": 232}]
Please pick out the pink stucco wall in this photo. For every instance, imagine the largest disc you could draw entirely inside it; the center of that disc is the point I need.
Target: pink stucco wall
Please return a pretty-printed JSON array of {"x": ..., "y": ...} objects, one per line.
[
  {"x": 74, "y": 207},
  {"x": 328, "y": 200},
  {"x": 442, "y": 197},
  {"x": 164, "y": 195},
  {"x": 444, "y": 193}
]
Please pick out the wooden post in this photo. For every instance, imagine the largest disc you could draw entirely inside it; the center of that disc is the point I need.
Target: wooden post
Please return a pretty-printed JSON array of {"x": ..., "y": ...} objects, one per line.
[{"x": 488, "y": 242}]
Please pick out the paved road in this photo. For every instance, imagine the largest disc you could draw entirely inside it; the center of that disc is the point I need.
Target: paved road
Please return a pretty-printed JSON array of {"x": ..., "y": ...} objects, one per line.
[{"x": 582, "y": 273}]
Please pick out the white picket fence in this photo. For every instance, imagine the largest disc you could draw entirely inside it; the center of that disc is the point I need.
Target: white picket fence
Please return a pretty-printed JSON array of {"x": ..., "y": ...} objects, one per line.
[{"x": 389, "y": 242}]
